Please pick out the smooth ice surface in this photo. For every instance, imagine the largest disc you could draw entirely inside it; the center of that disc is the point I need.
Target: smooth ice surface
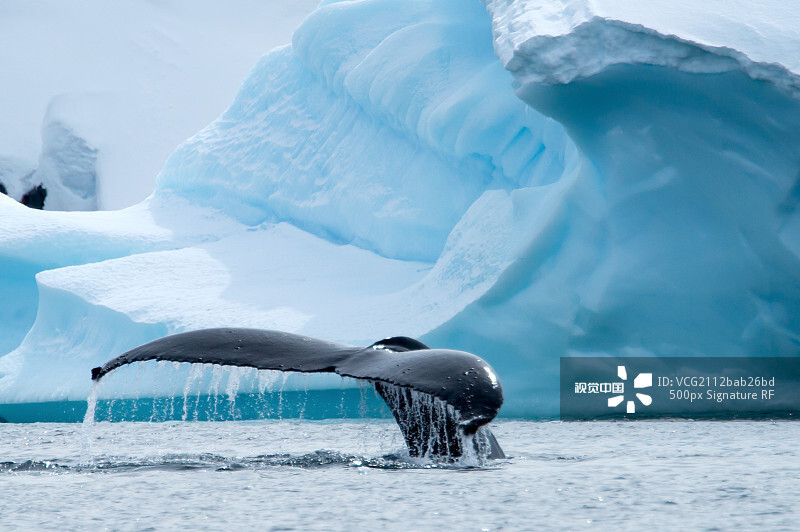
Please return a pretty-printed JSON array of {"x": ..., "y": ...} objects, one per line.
[
  {"x": 522, "y": 180},
  {"x": 130, "y": 80},
  {"x": 342, "y": 475}
]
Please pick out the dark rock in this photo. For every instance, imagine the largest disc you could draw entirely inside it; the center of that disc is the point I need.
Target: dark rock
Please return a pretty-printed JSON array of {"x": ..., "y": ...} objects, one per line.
[{"x": 34, "y": 198}]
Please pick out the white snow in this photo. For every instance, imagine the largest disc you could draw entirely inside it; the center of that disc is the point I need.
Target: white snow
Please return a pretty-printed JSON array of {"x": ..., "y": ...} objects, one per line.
[
  {"x": 766, "y": 31},
  {"x": 131, "y": 78},
  {"x": 537, "y": 45}
]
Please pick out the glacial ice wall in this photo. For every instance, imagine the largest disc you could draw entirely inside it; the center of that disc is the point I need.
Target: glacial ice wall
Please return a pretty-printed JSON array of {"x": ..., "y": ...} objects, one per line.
[
  {"x": 380, "y": 126},
  {"x": 543, "y": 180},
  {"x": 695, "y": 148}
]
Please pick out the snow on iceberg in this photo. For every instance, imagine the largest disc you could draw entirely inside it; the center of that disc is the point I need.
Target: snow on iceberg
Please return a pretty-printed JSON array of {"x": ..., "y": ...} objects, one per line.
[
  {"x": 602, "y": 188},
  {"x": 130, "y": 81}
]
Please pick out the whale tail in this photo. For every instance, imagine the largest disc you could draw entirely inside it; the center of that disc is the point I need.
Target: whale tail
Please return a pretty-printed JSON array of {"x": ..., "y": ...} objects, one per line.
[
  {"x": 441, "y": 399},
  {"x": 432, "y": 428}
]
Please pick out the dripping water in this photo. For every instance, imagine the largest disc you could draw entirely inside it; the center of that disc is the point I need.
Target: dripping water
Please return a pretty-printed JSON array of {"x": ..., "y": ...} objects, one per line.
[
  {"x": 88, "y": 424},
  {"x": 438, "y": 423},
  {"x": 199, "y": 392},
  {"x": 209, "y": 392}
]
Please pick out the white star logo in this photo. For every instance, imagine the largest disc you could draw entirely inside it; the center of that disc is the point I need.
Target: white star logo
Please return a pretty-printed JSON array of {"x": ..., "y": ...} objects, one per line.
[{"x": 642, "y": 380}]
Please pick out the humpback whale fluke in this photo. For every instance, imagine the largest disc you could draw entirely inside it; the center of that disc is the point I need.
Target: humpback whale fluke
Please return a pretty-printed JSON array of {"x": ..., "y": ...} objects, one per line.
[{"x": 437, "y": 396}]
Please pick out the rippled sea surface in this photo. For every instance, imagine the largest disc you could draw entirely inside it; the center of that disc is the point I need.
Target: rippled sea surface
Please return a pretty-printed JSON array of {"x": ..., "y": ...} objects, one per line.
[{"x": 353, "y": 475}]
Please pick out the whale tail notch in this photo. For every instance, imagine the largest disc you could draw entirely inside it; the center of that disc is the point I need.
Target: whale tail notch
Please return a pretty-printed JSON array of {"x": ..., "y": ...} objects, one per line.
[{"x": 441, "y": 399}]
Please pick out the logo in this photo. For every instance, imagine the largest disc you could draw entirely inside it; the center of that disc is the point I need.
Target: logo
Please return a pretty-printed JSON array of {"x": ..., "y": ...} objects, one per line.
[
  {"x": 642, "y": 380},
  {"x": 604, "y": 387}
]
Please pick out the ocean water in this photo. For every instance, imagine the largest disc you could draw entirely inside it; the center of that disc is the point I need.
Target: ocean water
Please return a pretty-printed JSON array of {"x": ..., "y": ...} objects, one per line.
[{"x": 354, "y": 475}]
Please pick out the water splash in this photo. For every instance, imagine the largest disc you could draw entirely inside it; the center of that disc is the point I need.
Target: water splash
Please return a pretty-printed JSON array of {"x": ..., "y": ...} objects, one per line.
[
  {"x": 207, "y": 392},
  {"x": 321, "y": 459},
  {"x": 194, "y": 377},
  {"x": 432, "y": 428},
  {"x": 88, "y": 424}
]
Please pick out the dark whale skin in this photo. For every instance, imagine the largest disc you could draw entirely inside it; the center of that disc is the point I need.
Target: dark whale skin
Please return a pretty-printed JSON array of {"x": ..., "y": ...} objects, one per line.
[{"x": 461, "y": 380}]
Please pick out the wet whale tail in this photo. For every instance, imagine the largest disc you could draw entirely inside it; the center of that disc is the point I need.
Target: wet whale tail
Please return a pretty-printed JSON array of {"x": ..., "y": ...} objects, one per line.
[{"x": 441, "y": 399}]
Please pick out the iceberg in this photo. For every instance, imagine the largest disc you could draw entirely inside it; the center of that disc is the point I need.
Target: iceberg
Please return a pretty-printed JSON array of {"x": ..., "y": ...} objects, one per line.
[
  {"x": 524, "y": 180},
  {"x": 126, "y": 83}
]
